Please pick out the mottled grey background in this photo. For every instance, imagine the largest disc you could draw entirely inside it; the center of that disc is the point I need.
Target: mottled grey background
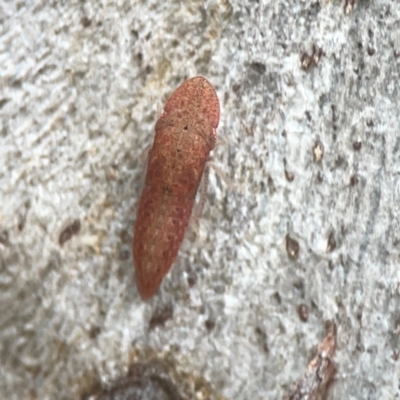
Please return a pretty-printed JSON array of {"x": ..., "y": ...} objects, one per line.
[{"x": 81, "y": 86}]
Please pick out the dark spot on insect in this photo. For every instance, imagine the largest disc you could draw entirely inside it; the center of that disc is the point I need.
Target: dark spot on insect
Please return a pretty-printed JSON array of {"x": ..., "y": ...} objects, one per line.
[
  {"x": 331, "y": 243},
  {"x": 371, "y": 51},
  {"x": 354, "y": 180},
  {"x": 292, "y": 247},
  {"x": 318, "y": 151},
  {"x": 357, "y": 145},
  {"x": 167, "y": 189},
  {"x": 370, "y": 122},
  {"x": 160, "y": 316},
  {"x": 69, "y": 231},
  {"x": 4, "y": 237},
  {"x": 86, "y": 22},
  {"x": 185, "y": 127},
  {"x": 258, "y": 67},
  {"x": 302, "y": 311},
  {"x": 209, "y": 324},
  {"x": 94, "y": 331},
  {"x": 236, "y": 87}
]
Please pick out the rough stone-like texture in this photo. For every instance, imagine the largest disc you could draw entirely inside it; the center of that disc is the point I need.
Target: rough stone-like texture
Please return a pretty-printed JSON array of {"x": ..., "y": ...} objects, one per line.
[{"x": 81, "y": 86}]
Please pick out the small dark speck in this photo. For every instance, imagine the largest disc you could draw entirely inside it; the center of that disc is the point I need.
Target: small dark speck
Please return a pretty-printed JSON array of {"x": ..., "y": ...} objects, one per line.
[
  {"x": 94, "y": 331},
  {"x": 134, "y": 34},
  {"x": 357, "y": 146},
  {"x": 258, "y": 67},
  {"x": 354, "y": 180},
  {"x": 2, "y": 102},
  {"x": 149, "y": 69},
  {"x": 292, "y": 247},
  {"x": 306, "y": 61},
  {"x": 191, "y": 280},
  {"x": 124, "y": 255},
  {"x": 277, "y": 297},
  {"x": 4, "y": 237},
  {"x": 331, "y": 243},
  {"x": 21, "y": 222},
  {"x": 86, "y": 22},
  {"x": 160, "y": 316},
  {"x": 371, "y": 51},
  {"x": 289, "y": 175},
  {"x": 209, "y": 324},
  {"x": 69, "y": 231},
  {"x": 235, "y": 87},
  {"x": 318, "y": 151},
  {"x": 302, "y": 311}
]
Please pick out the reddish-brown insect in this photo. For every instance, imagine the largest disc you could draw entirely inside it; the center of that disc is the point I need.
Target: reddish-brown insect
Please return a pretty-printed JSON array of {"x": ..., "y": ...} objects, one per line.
[{"x": 185, "y": 135}]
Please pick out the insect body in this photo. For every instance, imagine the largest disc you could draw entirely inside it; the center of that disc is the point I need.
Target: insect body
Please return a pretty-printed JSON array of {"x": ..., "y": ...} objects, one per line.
[{"x": 185, "y": 135}]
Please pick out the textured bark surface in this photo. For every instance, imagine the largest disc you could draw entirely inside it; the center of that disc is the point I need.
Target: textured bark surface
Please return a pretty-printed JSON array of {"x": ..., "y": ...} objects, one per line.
[{"x": 310, "y": 128}]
